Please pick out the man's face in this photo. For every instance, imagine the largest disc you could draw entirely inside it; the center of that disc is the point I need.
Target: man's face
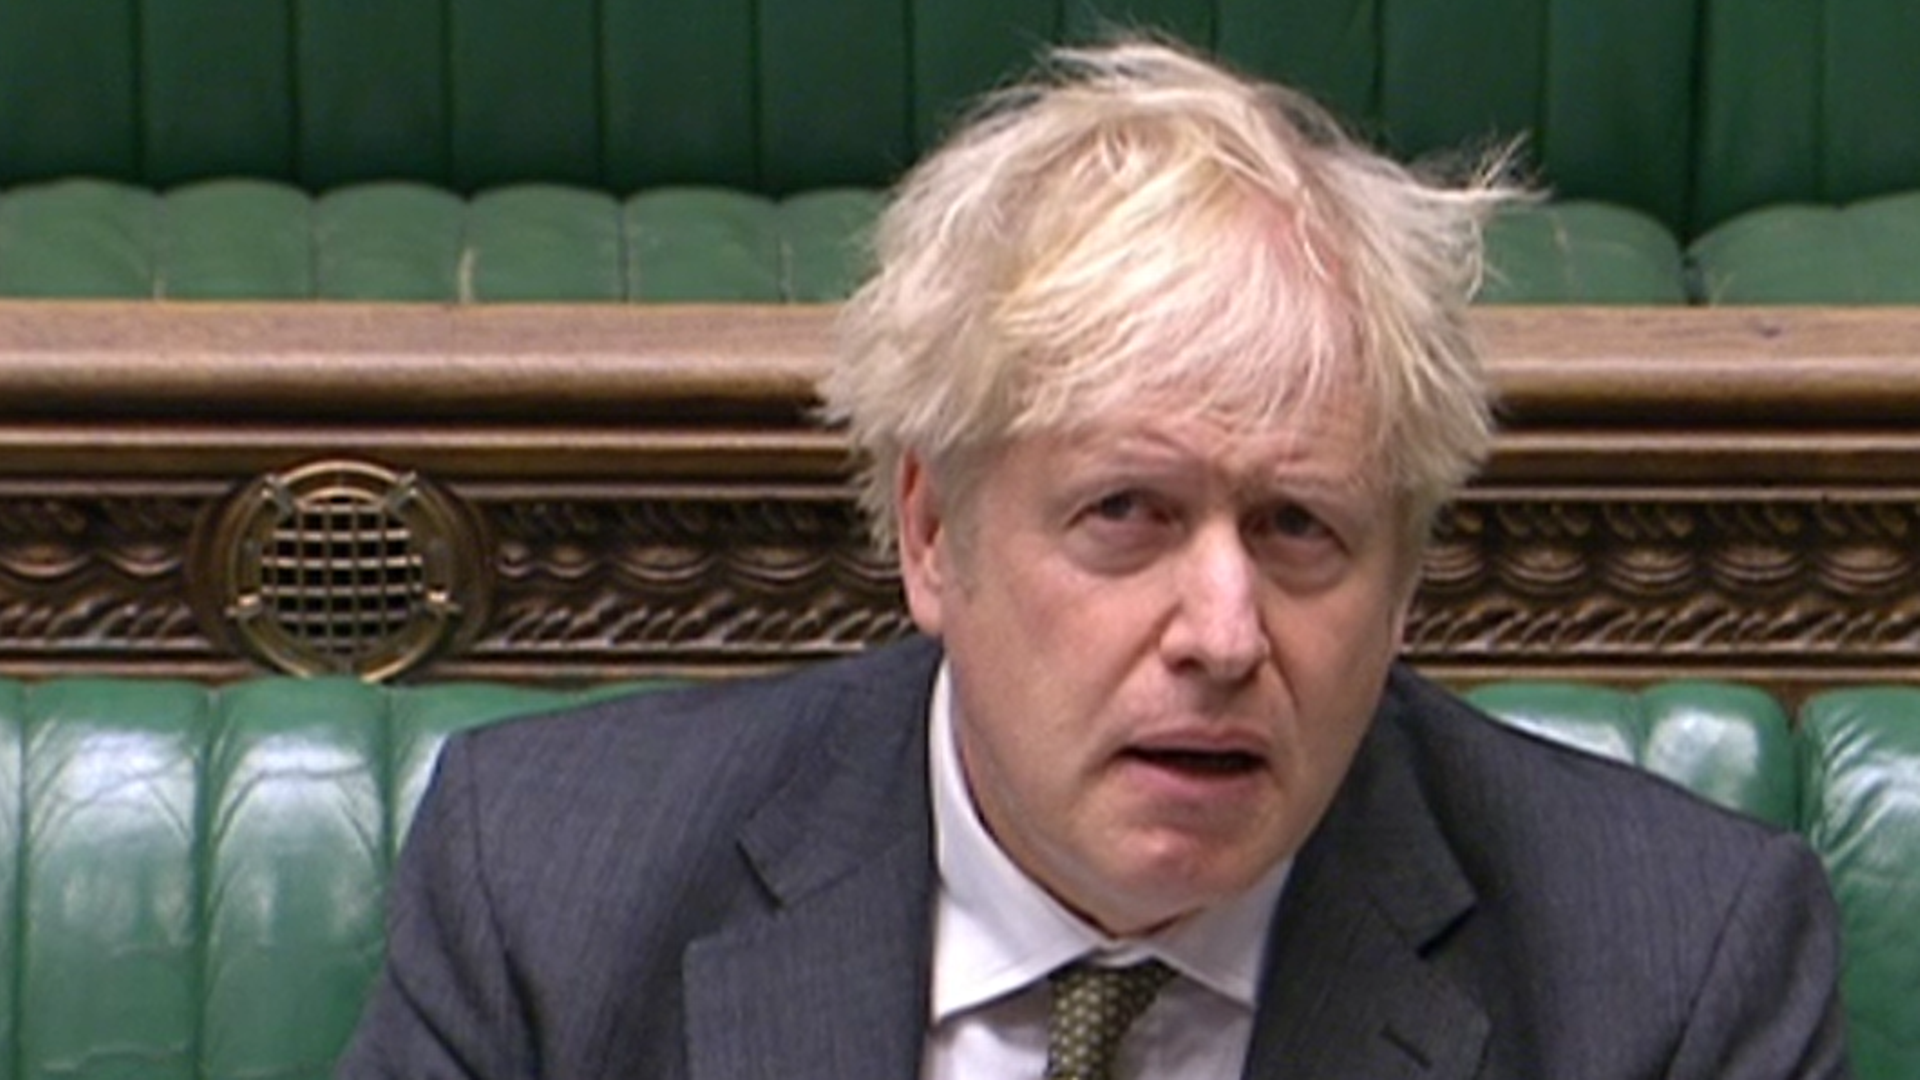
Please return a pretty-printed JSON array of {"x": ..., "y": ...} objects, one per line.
[{"x": 1167, "y": 640}]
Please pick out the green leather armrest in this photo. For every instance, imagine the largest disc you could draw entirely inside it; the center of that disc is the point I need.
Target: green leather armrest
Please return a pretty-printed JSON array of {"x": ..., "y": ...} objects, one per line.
[{"x": 1730, "y": 743}]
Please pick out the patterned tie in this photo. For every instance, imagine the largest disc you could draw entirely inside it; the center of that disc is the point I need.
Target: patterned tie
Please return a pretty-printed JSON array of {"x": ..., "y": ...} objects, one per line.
[{"x": 1092, "y": 1009}]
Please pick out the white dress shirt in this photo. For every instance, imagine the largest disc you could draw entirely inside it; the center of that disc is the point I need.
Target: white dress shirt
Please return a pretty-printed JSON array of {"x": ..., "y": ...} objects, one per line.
[{"x": 997, "y": 935}]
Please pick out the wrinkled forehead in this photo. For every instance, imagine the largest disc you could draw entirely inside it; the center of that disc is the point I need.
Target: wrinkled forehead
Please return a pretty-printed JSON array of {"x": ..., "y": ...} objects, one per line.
[
  {"x": 1245, "y": 395},
  {"x": 1329, "y": 424},
  {"x": 1243, "y": 385}
]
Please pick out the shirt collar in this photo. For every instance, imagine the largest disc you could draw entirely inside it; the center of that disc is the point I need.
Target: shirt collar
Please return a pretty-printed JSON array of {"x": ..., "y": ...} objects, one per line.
[{"x": 998, "y": 932}]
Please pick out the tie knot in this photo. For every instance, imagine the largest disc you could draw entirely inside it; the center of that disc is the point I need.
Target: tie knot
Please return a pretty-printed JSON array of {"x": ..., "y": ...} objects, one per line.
[{"x": 1093, "y": 1007}]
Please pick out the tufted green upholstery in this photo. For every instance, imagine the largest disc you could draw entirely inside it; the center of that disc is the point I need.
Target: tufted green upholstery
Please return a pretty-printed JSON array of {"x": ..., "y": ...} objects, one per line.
[
  {"x": 1809, "y": 101},
  {"x": 251, "y": 239},
  {"x": 1861, "y": 778},
  {"x": 1846, "y": 773},
  {"x": 191, "y": 878},
  {"x": 1581, "y": 252},
  {"x": 1730, "y": 743},
  {"x": 476, "y": 149},
  {"x": 1865, "y": 253},
  {"x": 620, "y": 95}
]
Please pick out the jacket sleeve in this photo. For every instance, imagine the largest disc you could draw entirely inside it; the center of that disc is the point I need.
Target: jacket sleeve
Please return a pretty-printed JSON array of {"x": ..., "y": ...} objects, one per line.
[
  {"x": 445, "y": 1005},
  {"x": 1769, "y": 1007}
]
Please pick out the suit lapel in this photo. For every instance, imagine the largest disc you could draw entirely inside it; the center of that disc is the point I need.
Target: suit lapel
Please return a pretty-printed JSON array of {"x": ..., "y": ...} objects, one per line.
[
  {"x": 832, "y": 984},
  {"x": 834, "y": 989},
  {"x": 1348, "y": 991}
]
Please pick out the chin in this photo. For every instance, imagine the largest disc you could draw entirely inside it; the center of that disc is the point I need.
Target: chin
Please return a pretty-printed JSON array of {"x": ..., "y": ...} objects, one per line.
[{"x": 1163, "y": 895}]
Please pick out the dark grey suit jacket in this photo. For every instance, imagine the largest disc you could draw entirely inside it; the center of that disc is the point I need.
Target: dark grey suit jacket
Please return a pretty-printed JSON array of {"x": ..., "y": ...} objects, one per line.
[{"x": 736, "y": 882}]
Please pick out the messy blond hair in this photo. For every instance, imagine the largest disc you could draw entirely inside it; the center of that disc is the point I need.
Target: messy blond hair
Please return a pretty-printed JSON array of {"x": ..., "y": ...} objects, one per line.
[{"x": 1139, "y": 226}]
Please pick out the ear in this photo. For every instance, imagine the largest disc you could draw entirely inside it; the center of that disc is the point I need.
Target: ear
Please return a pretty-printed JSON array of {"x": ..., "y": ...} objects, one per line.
[{"x": 922, "y": 544}]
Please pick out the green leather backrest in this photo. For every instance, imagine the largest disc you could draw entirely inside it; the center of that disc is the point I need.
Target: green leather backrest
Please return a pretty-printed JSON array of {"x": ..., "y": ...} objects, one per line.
[
  {"x": 1864, "y": 253},
  {"x": 494, "y": 149},
  {"x": 1597, "y": 88},
  {"x": 1581, "y": 253},
  {"x": 191, "y": 879},
  {"x": 621, "y": 95},
  {"x": 1861, "y": 772},
  {"x": 251, "y": 239},
  {"x": 1730, "y": 743},
  {"x": 1846, "y": 775},
  {"x": 1805, "y": 101}
]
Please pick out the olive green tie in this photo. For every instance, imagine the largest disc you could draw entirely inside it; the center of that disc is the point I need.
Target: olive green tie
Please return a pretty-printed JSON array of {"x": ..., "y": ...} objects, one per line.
[{"x": 1092, "y": 1009}]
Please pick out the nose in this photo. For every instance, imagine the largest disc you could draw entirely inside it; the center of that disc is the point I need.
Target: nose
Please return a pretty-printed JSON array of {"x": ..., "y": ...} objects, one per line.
[{"x": 1215, "y": 628}]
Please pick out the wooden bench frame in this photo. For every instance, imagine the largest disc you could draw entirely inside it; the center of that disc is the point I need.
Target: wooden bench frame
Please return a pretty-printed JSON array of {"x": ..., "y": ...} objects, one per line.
[{"x": 1676, "y": 492}]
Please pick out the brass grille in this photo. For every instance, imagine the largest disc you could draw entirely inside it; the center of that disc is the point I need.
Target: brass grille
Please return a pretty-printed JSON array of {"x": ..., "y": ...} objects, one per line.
[{"x": 343, "y": 567}]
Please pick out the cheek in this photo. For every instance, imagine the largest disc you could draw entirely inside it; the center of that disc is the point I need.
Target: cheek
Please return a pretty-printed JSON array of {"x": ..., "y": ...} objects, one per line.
[
  {"x": 1044, "y": 661},
  {"x": 1031, "y": 607},
  {"x": 1333, "y": 658}
]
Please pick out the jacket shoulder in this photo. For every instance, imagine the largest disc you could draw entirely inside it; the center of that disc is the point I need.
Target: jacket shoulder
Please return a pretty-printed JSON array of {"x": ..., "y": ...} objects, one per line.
[
  {"x": 1533, "y": 771},
  {"x": 1625, "y": 896},
  {"x": 667, "y": 735}
]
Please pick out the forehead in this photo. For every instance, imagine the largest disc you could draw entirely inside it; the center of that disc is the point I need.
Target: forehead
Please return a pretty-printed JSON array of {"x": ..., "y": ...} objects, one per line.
[{"x": 1327, "y": 447}]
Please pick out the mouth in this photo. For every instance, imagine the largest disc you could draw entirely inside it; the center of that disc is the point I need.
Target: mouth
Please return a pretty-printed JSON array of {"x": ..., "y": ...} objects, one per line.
[{"x": 1210, "y": 763}]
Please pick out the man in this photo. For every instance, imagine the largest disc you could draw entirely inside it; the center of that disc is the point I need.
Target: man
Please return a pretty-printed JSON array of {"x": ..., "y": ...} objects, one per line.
[{"x": 1160, "y": 383}]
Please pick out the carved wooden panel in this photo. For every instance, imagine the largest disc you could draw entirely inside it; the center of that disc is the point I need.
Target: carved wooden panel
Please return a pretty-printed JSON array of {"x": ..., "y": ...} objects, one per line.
[
  {"x": 1674, "y": 493},
  {"x": 1784, "y": 589},
  {"x": 673, "y": 582},
  {"x": 96, "y": 579},
  {"x": 1764, "y": 585}
]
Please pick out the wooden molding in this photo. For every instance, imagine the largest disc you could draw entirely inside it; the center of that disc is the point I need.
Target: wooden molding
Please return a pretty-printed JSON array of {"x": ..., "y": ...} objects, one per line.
[{"x": 1717, "y": 492}]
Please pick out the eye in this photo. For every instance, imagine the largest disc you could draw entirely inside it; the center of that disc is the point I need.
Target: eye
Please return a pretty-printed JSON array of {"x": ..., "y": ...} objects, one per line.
[
  {"x": 1129, "y": 512},
  {"x": 1296, "y": 521},
  {"x": 1299, "y": 546},
  {"x": 1120, "y": 530},
  {"x": 1291, "y": 524},
  {"x": 1119, "y": 506}
]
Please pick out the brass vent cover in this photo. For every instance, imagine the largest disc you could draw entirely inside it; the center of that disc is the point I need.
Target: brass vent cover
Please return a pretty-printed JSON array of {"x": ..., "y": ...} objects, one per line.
[{"x": 342, "y": 567}]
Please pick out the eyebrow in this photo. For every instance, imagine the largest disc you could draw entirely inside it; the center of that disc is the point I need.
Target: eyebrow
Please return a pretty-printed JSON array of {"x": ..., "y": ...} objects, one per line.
[{"x": 1117, "y": 457}]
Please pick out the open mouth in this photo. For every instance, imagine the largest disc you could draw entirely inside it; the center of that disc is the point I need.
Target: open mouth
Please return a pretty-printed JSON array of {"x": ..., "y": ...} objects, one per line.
[{"x": 1201, "y": 762}]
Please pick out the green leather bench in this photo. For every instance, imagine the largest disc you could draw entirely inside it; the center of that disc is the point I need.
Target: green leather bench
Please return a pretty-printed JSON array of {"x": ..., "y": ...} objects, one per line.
[
  {"x": 402, "y": 241},
  {"x": 191, "y": 878},
  {"x": 656, "y": 150}
]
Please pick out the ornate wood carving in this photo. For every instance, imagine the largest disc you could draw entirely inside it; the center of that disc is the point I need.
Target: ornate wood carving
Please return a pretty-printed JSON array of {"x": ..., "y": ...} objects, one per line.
[
  {"x": 90, "y": 578},
  {"x": 1763, "y": 585},
  {"x": 684, "y": 582},
  {"x": 1782, "y": 589},
  {"x": 1675, "y": 493}
]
